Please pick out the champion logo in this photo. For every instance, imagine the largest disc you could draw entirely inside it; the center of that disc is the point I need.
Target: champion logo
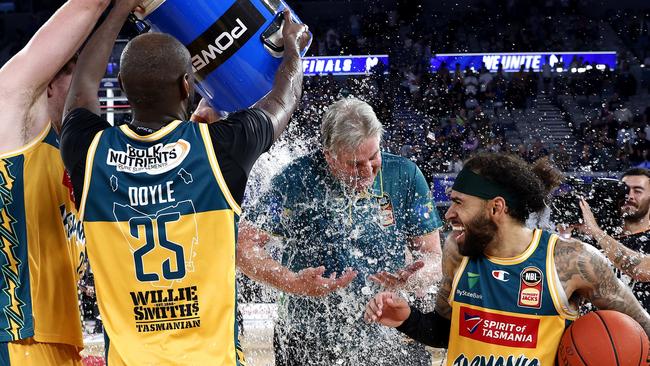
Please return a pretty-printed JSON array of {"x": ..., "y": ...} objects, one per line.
[
  {"x": 501, "y": 275},
  {"x": 472, "y": 322}
]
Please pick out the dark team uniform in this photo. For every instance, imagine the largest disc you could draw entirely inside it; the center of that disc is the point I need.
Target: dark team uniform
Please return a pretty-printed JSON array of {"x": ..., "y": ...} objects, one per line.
[{"x": 639, "y": 242}]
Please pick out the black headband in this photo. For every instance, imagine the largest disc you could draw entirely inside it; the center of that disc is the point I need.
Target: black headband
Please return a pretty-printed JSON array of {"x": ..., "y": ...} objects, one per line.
[{"x": 470, "y": 183}]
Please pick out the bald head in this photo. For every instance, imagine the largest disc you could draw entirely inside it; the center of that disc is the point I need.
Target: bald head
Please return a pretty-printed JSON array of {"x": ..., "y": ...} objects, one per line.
[{"x": 153, "y": 68}]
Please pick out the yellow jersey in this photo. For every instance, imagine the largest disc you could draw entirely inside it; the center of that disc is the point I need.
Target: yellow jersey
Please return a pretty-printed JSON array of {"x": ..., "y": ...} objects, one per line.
[
  {"x": 509, "y": 310},
  {"x": 161, "y": 227},
  {"x": 41, "y": 246}
]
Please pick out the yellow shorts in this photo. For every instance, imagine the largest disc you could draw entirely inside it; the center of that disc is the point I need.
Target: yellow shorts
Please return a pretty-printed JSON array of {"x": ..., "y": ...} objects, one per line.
[{"x": 28, "y": 352}]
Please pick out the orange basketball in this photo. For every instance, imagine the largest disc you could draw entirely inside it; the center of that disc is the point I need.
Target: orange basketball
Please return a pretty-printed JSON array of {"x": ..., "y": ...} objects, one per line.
[{"x": 602, "y": 338}]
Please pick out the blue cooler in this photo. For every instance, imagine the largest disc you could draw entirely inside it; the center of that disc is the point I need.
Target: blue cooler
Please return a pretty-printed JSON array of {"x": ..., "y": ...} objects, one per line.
[{"x": 236, "y": 45}]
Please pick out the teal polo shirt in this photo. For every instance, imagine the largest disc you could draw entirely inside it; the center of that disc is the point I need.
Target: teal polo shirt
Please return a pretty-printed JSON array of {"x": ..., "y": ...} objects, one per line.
[{"x": 322, "y": 226}]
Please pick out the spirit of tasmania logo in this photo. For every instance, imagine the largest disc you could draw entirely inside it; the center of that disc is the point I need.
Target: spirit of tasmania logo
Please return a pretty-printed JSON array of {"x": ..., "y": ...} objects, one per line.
[
  {"x": 499, "y": 329},
  {"x": 153, "y": 160}
]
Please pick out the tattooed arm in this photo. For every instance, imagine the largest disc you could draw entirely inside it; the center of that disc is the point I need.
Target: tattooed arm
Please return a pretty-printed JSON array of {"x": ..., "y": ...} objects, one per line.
[
  {"x": 585, "y": 273},
  {"x": 450, "y": 261}
]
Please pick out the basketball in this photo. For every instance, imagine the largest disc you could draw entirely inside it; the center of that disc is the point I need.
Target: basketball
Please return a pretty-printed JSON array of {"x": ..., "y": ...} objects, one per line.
[{"x": 604, "y": 337}]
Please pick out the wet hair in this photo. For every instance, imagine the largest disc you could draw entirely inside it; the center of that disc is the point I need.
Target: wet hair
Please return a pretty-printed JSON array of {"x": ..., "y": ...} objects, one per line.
[
  {"x": 151, "y": 68},
  {"x": 347, "y": 123},
  {"x": 531, "y": 184},
  {"x": 637, "y": 171}
]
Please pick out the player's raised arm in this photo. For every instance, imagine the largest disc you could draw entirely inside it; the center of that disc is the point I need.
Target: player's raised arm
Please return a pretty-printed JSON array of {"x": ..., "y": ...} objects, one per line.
[
  {"x": 91, "y": 65},
  {"x": 24, "y": 78},
  {"x": 283, "y": 99}
]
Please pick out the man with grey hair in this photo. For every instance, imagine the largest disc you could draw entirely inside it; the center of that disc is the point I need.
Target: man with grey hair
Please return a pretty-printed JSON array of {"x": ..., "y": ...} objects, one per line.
[{"x": 349, "y": 216}]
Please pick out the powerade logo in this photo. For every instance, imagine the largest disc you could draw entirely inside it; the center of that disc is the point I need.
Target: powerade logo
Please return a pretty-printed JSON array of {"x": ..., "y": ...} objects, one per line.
[{"x": 225, "y": 37}]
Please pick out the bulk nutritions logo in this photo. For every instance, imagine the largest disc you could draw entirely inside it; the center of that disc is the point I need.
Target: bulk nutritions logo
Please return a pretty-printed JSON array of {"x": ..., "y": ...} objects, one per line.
[
  {"x": 225, "y": 37},
  {"x": 154, "y": 160}
]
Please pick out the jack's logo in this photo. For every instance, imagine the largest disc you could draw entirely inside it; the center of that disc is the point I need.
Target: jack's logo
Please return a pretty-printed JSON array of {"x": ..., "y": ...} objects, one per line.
[
  {"x": 531, "y": 288},
  {"x": 154, "y": 160}
]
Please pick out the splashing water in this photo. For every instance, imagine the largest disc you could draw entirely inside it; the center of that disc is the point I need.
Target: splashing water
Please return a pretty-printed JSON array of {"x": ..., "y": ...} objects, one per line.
[{"x": 329, "y": 329}]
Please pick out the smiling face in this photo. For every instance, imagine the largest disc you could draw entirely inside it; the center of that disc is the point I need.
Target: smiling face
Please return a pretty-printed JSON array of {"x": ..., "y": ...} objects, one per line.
[
  {"x": 637, "y": 203},
  {"x": 473, "y": 229},
  {"x": 356, "y": 168}
]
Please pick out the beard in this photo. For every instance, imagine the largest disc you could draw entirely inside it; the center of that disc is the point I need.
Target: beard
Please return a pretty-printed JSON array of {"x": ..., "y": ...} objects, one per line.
[
  {"x": 639, "y": 213},
  {"x": 479, "y": 232}
]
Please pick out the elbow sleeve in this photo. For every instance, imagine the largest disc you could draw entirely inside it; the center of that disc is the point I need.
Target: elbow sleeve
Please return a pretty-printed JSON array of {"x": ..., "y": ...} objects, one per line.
[{"x": 431, "y": 328}]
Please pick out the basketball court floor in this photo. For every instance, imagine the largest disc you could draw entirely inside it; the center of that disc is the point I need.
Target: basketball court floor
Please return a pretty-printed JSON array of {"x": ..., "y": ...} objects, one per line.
[{"x": 257, "y": 339}]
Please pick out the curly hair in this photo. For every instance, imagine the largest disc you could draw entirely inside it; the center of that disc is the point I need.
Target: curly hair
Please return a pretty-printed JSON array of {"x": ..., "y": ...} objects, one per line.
[{"x": 530, "y": 183}]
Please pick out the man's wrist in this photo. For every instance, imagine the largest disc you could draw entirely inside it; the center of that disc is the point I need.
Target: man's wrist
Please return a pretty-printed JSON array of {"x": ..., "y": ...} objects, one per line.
[
  {"x": 412, "y": 319},
  {"x": 292, "y": 281},
  {"x": 598, "y": 235}
]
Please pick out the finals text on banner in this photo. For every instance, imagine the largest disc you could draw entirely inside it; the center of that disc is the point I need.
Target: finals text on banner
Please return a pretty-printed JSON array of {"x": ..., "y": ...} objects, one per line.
[{"x": 343, "y": 65}]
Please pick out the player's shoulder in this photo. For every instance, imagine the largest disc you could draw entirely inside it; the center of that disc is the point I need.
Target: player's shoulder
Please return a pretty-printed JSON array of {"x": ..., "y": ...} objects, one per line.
[
  {"x": 397, "y": 164},
  {"x": 451, "y": 257},
  {"x": 567, "y": 247},
  {"x": 254, "y": 115},
  {"x": 298, "y": 170},
  {"x": 570, "y": 252}
]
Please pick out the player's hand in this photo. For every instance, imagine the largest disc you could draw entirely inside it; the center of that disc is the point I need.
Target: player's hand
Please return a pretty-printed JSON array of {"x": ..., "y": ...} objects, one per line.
[
  {"x": 310, "y": 281},
  {"x": 388, "y": 309},
  {"x": 133, "y": 5},
  {"x": 205, "y": 114},
  {"x": 295, "y": 36},
  {"x": 398, "y": 279},
  {"x": 589, "y": 226}
]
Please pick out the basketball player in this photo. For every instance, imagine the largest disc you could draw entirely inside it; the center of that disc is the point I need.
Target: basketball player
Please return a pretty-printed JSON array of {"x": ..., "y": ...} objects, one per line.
[
  {"x": 41, "y": 240},
  {"x": 507, "y": 291},
  {"x": 628, "y": 252},
  {"x": 160, "y": 196},
  {"x": 347, "y": 208}
]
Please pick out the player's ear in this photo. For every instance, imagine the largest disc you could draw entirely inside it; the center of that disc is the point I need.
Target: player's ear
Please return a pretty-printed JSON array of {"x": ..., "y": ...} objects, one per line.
[
  {"x": 497, "y": 206},
  {"x": 119, "y": 82},
  {"x": 186, "y": 86}
]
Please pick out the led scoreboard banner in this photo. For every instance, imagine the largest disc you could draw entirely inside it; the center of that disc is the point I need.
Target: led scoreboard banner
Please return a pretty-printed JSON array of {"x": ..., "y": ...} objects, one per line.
[
  {"x": 511, "y": 62},
  {"x": 343, "y": 65}
]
